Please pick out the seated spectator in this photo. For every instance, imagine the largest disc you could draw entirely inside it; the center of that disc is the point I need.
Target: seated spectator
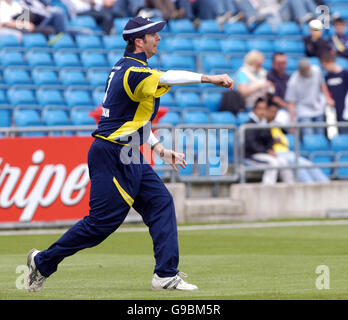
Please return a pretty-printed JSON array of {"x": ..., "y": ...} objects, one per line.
[
  {"x": 339, "y": 41},
  {"x": 251, "y": 79},
  {"x": 127, "y": 8},
  {"x": 307, "y": 95},
  {"x": 14, "y": 16},
  {"x": 259, "y": 147},
  {"x": 281, "y": 148},
  {"x": 46, "y": 15},
  {"x": 168, "y": 9},
  {"x": 100, "y": 10},
  {"x": 315, "y": 44},
  {"x": 337, "y": 83}
]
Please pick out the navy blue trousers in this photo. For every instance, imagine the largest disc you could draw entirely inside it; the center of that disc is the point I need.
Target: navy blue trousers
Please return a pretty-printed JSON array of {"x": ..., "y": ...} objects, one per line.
[{"x": 115, "y": 187}]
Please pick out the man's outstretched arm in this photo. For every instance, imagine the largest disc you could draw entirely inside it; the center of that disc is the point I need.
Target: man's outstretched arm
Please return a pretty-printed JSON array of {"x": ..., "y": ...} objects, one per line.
[{"x": 179, "y": 77}]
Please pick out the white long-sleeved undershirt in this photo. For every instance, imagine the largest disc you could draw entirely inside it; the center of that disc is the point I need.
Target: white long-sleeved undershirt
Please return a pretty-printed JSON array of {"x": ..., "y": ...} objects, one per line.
[
  {"x": 175, "y": 77},
  {"x": 179, "y": 77}
]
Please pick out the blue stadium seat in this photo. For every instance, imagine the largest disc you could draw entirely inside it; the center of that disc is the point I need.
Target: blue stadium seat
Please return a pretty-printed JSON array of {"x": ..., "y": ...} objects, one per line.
[
  {"x": 5, "y": 117},
  {"x": 339, "y": 143},
  {"x": 62, "y": 42},
  {"x": 341, "y": 11},
  {"x": 181, "y": 26},
  {"x": 265, "y": 46},
  {"x": 78, "y": 98},
  {"x": 171, "y": 118},
  {"x": 196, "y": 117},
  {"x": 12, "y": 58},
  {"x": 16, "y": 76},
  {"x": 291, "y": 65},
  {"x": 88, "y": 42},
  {"x": 36, "y": 59},
  {"x": 322, "y": 159},
  {"x": 236, "y": 63},
  {"x": 214, "y": 61},
  {"x": 188, "y": 99},
  {"x": 120, "y": 23},
  {"x": 177, "y": 61},
  {"x": 84, "y": 22},
  {"x": 342, "y": 62},
  {"x": 207, "y": 45},
  {"x": 289, "y": 29},
  {"x": 242, "y": 117},
  {"x": 79, "y": 116},
  {"x": 114, "y": 56},
  {"x": 211, "y": 100},
  {"x": 55, "y": 117},
  {"x": 315, "y": 142},
  {"x": 45, "y": 77},
  {"x": 21, "y": 97},
  {"x": 98, "y": 97},
  {"x": 72, "y": 78},
  {"x": 66, "y": 59},
  {"x": 9, "y": 40},
  {"x": 113, "y": 42},
  {"x": 26, "y": 118},
  {"x": 167, "y": 100},
  {"x": 224, "y": 117},
  {"x": 265, "y": 29},
  {"x": 50, "y": 97},
  {"x": 289, "y": 46},
  {"x": 179, "y": 44},
  {"x": 91, "y": 60},
  {"x": 342, "y": 173},
  {"x": 209, "y": 26},
  {"x": 154, "y": 62},
  {"x": 236, "y": 29},
  {"x": 34, "y": 40},
  {"x": 3, "y": 98},
  {"x": 97, "y": 78},
  {"x": 234, "y": 46}
]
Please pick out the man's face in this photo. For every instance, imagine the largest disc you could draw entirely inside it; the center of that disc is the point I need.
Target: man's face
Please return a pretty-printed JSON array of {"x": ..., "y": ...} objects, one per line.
[
  {"x": 260, "y": 110},
  {"x": 271, "y": 113},
  {"x": 150, "y": 43},
  {"x": 340, "y": 28},
  {"x": 279, "y": 63}
]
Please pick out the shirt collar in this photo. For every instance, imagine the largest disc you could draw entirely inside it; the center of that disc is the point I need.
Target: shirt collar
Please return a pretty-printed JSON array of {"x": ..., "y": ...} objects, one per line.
[{"x": 138, "y": 56}]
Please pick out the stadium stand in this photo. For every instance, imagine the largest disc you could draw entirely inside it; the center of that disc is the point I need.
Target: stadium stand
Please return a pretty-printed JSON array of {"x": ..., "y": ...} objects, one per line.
[{"x": 64, "y": 76}]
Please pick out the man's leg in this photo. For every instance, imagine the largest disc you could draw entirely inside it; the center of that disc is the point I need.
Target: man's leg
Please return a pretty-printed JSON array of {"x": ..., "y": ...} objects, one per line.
[
  {"x": 270, "y": 175},
  {"x": 112, "y": 185},
  {"x": 155, "y": 204}
]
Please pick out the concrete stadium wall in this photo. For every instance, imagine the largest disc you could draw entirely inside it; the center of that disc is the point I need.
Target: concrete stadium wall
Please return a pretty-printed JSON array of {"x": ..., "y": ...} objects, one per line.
[{"x": 254, "y": 201}]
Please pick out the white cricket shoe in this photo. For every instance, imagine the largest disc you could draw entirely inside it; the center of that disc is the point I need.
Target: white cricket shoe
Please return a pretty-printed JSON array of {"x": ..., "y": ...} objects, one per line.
[
  {"x": 172, "y": 283},
  {"x": 35, "y": 280}
]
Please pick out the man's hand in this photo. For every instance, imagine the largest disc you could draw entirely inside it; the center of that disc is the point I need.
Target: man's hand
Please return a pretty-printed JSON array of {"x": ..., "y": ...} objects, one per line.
[
  {"x": 170, "y": 157},
  {"x": 220, "y": 80}
]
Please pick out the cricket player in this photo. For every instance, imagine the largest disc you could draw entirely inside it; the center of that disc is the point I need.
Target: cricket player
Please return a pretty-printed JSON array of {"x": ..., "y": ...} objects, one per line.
[{"x": 120, "y": 178}]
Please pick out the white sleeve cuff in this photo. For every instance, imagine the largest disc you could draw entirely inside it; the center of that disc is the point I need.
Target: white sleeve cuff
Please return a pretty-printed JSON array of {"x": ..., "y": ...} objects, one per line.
[
  {"x": 179, "y": 77},
  {"x": 152, "y": 140}
]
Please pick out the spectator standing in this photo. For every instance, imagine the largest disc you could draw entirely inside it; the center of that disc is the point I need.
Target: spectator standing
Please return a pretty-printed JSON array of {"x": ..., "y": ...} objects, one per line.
[
  {"x": 337, "y": 83},
  {"x": 251, "y": 79},
  {"x": 315, "y": 44},
  {"x": 281, "y": 147},
  {"x": 307, "y": 95},
  {"x": 339, "y": 41},
  {"x": 259, "y": 147}
]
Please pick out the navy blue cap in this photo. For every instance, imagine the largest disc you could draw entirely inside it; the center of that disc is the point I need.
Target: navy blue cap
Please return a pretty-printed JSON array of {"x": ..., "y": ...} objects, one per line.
[{"x": 139, "y": 26}]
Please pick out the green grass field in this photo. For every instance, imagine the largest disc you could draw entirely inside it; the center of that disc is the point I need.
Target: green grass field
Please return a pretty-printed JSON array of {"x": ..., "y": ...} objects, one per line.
[{"x": 262, "y": 263}]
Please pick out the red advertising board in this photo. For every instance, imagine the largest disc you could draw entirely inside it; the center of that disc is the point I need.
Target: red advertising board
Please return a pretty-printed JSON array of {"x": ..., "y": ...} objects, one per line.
[{"x": 44, "y": 179}]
